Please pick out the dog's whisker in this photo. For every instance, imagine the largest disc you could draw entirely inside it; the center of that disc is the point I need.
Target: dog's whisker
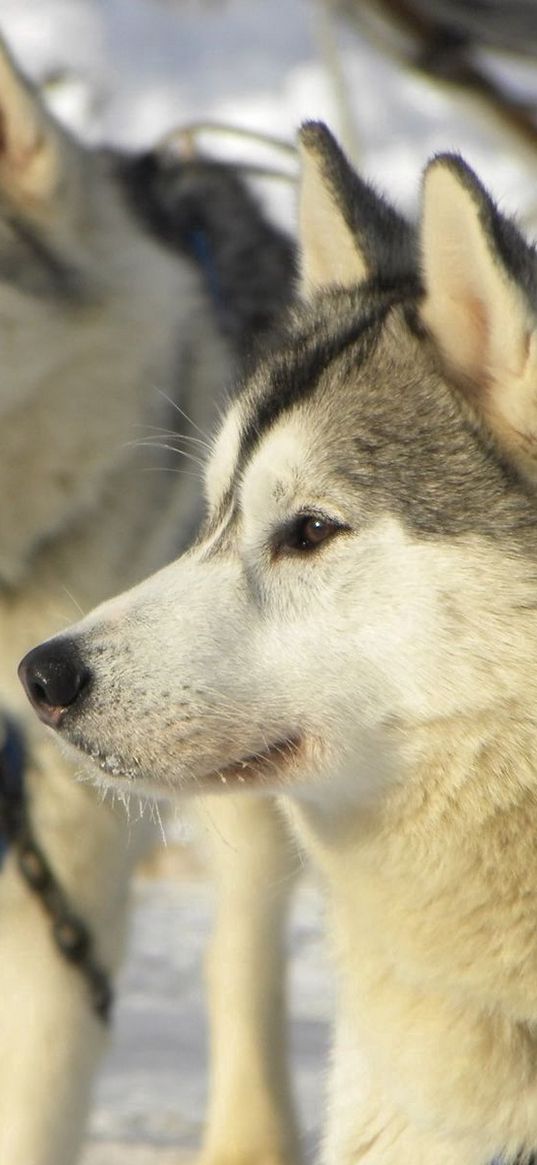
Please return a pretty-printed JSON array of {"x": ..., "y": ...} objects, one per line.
[
  {"x": 173, "y": 435},
  {"x": 166, "y": 435},
  {"x": 170, "y": 469},
  {"x": 166, "y": 447},
  {"x": 155, "y": 813},
  {"x": 182, "y": 413},
  {"x": 74, "y": 601}
]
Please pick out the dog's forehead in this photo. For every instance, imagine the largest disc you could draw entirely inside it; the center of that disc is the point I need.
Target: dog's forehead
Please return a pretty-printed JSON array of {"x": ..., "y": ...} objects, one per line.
[
  {"x": 307, "y": 396},
  {"x": 281, "y": 385},
  {"x": 323, "y": 434},
  {"x": 285, "y": 466},
  {"x": 356, "y": 393}
]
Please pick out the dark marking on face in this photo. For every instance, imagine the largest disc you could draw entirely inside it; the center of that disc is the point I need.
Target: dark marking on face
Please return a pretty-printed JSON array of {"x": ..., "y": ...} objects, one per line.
[{"x": 294, "y": 374}]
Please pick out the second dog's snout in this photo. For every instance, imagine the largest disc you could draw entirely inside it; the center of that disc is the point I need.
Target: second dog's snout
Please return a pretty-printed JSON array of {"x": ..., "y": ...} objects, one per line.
[{"x": 53, "y": 676}]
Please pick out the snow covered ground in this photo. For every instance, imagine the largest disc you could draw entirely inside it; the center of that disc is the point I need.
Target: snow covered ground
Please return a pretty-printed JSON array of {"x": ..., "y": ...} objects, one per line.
[{"x": 127, "y": 71}]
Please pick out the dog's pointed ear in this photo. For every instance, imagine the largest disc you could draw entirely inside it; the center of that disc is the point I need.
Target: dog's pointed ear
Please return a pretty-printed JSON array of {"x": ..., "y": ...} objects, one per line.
[
  {"x": 348, "y": 233},
  {"x": 480, "y": 304},
  {"x": 30, "y": 139}
]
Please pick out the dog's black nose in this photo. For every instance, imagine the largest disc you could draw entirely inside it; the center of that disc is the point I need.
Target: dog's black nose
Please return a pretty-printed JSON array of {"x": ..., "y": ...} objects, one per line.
[{"x": 53, "y": 676}]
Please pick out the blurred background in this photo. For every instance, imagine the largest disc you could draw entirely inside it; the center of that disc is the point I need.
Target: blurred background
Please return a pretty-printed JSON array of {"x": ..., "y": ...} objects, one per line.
[
  {"x": 397, "y": 81},
  {"x": 128, "y": 71}
]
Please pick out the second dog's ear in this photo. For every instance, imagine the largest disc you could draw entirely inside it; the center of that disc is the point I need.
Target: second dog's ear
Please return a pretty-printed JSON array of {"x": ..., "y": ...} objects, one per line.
[
  {"x": 30, "y": 140},
  {"x": 348, "y": 233}
]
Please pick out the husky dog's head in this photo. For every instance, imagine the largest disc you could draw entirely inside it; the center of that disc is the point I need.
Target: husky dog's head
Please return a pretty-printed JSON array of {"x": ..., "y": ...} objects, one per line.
[
  {"x": 69, "y": 256},
  {"x": 369, "y": 558}
]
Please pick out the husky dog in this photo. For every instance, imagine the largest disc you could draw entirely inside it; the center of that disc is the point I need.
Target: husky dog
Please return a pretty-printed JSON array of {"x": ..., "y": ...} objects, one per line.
[
  {"x": 103, "y": 303},
  {"x": 355, "y": 629}
]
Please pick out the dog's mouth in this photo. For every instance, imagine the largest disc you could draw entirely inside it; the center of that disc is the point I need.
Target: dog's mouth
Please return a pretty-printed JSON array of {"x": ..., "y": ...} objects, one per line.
[{"x": 266, "y": 767}]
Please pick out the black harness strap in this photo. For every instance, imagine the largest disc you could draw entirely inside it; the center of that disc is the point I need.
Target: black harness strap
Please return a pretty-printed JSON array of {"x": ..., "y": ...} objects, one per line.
[{"x": 70, "y": 934}]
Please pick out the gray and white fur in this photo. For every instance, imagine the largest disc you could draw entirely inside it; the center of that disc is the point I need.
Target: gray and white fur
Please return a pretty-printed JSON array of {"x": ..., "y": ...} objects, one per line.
[{"x": 355, "y": 631}]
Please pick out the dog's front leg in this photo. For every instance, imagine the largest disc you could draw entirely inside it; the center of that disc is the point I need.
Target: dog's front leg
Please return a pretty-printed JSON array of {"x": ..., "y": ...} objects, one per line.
[
  {"x": 254, "y": 862},
  {"x": 51, "y": 1034}
]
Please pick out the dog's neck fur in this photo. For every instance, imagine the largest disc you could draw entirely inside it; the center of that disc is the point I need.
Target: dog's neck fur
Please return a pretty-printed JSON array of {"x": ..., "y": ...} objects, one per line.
[{"x": 434, "y": 921}]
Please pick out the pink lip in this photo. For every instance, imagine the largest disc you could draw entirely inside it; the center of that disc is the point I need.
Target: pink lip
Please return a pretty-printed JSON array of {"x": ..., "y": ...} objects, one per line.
[{"x": 269, "y": 763}]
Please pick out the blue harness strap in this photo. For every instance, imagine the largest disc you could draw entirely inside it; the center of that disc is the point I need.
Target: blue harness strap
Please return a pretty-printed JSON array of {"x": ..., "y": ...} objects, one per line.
[
  {"x": 198, "y": 243},
  {"x": 12, "y": 766}
]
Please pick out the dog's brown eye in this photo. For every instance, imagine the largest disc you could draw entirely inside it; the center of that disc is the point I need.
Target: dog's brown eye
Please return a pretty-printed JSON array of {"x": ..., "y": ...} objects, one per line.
[
  {"x": 313, "y": 531},
  {"x": 307, "y": 532}
]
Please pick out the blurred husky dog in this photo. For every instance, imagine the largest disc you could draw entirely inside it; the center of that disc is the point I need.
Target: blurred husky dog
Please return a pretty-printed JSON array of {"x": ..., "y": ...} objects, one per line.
[
  {"x": 101, "y": 306},
  {"x": 356, "y": 628}
]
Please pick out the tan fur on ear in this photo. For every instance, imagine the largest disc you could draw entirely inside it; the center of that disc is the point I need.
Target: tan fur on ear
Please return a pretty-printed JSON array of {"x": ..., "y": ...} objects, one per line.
[
  {"x": 474, "y": 309},
  {"x": 29, "y": 153},
  {"x": 329, "y": 250}
]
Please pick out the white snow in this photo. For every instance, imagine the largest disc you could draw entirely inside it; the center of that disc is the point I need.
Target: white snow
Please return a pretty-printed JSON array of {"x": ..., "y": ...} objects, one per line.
[{"x": 127, "y": 71}]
